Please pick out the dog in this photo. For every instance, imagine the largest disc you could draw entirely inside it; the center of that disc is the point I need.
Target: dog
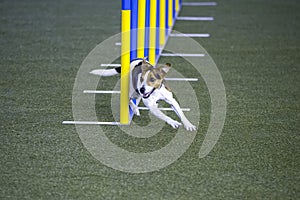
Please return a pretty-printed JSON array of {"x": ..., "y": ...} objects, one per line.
[{"x": 147, "y": 82}]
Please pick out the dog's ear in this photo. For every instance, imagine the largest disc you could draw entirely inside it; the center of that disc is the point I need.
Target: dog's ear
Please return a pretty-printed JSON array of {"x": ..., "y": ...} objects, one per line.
[
  {"x": 145, "y": 60},
  {"x": 165, "y": 68},
  {"x": 145, "y": 65}
]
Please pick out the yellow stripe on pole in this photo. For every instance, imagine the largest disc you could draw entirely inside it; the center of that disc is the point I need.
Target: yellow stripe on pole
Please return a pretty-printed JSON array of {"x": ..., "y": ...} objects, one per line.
[
  {"x": 141, "y": 28},
  {"x": 152, "y": 35},
  {"x": 177, "y": 6},
  {"x": 125, "y": 63},
  {"x": 162, "y": 23},
  {"x": 170, "y": 13}
]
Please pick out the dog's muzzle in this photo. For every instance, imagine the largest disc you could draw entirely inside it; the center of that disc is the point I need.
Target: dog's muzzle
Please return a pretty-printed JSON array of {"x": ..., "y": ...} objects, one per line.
[{"x": 145, "y": 95}]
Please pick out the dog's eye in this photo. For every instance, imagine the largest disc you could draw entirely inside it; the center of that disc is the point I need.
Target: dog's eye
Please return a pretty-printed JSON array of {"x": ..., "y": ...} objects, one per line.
[{"x": 152, "y": 80}]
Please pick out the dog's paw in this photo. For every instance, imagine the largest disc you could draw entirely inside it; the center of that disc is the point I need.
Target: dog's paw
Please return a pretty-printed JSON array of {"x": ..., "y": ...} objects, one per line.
[
  {"x": 137, "y": 112},
  {"x": 134, "y": 108},
  {"x": 190, "y": 127},
  {"x": 174, "y": 124}
]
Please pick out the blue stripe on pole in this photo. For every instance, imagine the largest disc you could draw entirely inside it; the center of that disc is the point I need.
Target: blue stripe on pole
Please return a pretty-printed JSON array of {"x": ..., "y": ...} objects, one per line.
[
  {"x": 134, "y": 24},
  {"x": 131, "y": 113},
  {"x": 157, "y": 49},
  {"x": 174, "y": 10},
  {"x": 126, "y": 4},
  {"x": 167, "y": 17},
  {"x": 147, "y": 25}
]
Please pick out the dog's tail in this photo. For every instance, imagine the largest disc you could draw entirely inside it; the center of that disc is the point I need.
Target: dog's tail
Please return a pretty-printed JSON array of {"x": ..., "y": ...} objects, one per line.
[{"x": 106, "y": 72}]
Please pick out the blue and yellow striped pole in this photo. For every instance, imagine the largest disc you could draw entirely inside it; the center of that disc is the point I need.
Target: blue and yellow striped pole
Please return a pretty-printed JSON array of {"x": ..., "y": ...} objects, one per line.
[
  {"x": 125, "y": 61},
  {"x": 152, "y": 32},
  {"x": 177, "y": 7},
  {"x": 157, "y": 46},
  {"x": 141, "y": 28},
  {"x": 147, "y": 26},
  {"x": 162, "y": 23},
  {"x": 170, "y": 13},
  {"x": 133, "y": 28}
]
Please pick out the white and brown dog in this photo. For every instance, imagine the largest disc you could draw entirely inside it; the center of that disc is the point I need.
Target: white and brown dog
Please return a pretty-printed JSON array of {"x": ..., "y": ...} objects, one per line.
[{"x": 147, "y": 82}]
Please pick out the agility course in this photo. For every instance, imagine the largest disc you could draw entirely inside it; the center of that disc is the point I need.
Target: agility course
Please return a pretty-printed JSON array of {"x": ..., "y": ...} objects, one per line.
[
  {"x": 145, "y": 28},
  {"x": 255, "y": 45}
]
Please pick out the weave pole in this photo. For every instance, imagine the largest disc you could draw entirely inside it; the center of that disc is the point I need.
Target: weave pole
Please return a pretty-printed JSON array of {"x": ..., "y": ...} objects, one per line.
[
  {"x": 170, "y": 13},
  {"x": 162, "y": 23},
  {"x": 125, "y": 61},
  {"x": 141, "y": 28},
  {"x": 152, "y": 30}
]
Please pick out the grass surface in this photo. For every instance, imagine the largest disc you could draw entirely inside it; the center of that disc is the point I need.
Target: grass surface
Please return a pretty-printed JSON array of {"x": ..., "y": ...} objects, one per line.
[{"x": 255, "y": 45}]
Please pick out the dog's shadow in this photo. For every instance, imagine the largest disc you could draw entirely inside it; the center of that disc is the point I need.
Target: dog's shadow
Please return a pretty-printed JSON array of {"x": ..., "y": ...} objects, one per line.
[{"x": 142, "y": 120}]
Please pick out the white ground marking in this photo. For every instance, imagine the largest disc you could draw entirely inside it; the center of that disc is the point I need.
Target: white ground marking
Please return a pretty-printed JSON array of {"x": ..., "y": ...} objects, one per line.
[
  {"x": 166, "y": 109},
  {"x": 183, "y": 54},
  {"x": 90, "y": 123},
  {"x": 199, "y": 3},
  {"x": 101, "y": 92},
  {"x": 110, "y": 65},
  {"x": 181, "y": 79},
  {"x": 195, "y": 18},
  {"x": 190, "y": 35}
]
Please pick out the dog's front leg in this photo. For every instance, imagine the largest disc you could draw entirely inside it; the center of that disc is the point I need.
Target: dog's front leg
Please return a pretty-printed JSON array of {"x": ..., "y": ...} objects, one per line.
[
  {"x": 153, "y": 107},
  {"x": 134, "y": 107},
  {"x": 174, "y": 104}
]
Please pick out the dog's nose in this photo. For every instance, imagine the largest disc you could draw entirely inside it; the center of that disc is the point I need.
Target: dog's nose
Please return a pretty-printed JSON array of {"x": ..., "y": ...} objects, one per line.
[{"x": 142, "y": 90}]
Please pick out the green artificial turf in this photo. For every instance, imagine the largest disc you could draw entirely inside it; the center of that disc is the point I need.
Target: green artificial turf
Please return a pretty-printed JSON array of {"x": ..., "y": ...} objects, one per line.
[{"x": 255, "y": 45}]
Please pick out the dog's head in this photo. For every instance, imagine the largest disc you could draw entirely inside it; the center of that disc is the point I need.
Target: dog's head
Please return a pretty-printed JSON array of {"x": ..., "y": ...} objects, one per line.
[{"x": 151, "y": 78}]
